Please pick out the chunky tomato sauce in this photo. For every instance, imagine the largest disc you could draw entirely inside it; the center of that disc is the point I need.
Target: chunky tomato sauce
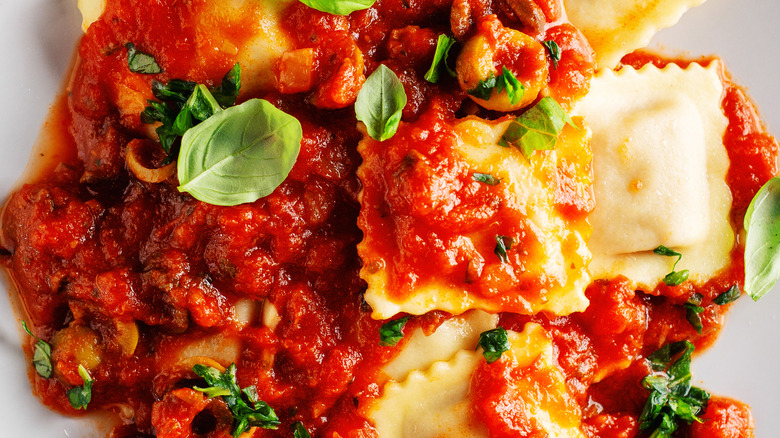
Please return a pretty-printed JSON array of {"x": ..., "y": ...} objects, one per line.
[{"x": 123, "y": 276}]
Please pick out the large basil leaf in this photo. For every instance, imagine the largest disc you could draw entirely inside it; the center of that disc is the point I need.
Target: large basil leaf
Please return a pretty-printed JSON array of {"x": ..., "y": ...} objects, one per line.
[
  {"x": 339, "y": 7},
  {"x": 762, "y": 244},
  {"x": 240, "y": 154},
  {"x": 380, "y": 102}
]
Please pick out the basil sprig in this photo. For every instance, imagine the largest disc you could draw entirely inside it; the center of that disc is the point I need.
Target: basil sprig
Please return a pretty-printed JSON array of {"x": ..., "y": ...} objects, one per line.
[
  {"x": 672, "y": 398},
  {"x": 80, "y": 396},
  {"x": 141, "y": 62},
  {"x": 674, "y": 278},
  {"x": 183, "y": 104},
  {"x": 248, "y": 411},
  {"x": 380, "y": 103},
  {"x": 239, "y": 154},
  {"x": 554, "y": 50},
  {"x": 762, "y": 242},
  {"x": 506, "y": 81},
  {"x": 391, "y": 332},
  {"x": 41, "y": 355},
  {"x": 339, "y": 7},
  {"x": 440, "y": 59},
  {"x": 494, "y": 343},
  {"x": 538, "y": 128}
]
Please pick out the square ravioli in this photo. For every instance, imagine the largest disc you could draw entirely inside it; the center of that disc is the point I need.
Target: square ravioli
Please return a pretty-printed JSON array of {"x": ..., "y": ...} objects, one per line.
[{"x": 453, "y": 221}]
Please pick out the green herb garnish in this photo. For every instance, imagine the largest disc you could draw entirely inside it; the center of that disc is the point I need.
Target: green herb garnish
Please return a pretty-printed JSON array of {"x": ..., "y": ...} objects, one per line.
[
  {"x": 554, "y": 50},
  {"x": 141, "y": 62},
  {"x": 440, "y": 58},
  {"x": 247, "y": 410},
  {"x": 503, "y": 244},
  {"x": 506, "y": 81},
  {"x": 299, "y": 430},
  {"x": 762, "y": 241},
  {"x": 391, "y": 332},
  {"x": 41, "y": 355},
  {"x": 80, "y": 396},
  {"x": 674, "y": 278},
  {"x": 494, "y": 343},
  {"x": 729, "y": 296},
  {"x": 538, "y": 128},
  {"x": 239, "y": 154},
  {"x": 672, "y": 398},
  {"x": 692, "y": 310},
  {"x": 380, "y": 103},
  {"x": 486, "y": 178},
  {"x": 338, "y": 7}
]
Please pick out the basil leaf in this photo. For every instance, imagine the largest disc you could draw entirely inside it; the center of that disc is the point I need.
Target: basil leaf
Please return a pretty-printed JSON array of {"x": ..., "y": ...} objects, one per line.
[
  {"x": 338, "y": 7},
  {"x": 247, "y": 410},
  {"x": 227, "y": 92},
  {"x": 391, "y": 332},
  {"x": 202, "y": 104},
  {"x": 538, "y": 128},
  {"x": 762, "y": 243},
  {"x": 729, "y": 296},
  {"x": 80, "y": 396},
  {"x": 440, "y": 58},
  {"x": 141, "y": 62},
  {"x": 494, "y": 343},
  {"x": 692, "y": 310},
  {"x": 503, "y": 244},
  {"x": 486, "y": 178},
  {"x": 506, "y": 81},
  {"x": 240, "y": 154},
  {"x": 299, "y": 430},
  {"x": 41, "y": 355},
  {"x": 554, "y": 50},
  {"x": 674, "y": 278},
  {"x": 380, "y": 103}
]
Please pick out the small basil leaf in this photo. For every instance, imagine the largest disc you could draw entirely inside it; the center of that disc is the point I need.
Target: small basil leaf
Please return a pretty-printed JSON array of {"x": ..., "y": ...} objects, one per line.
[
  {"x": 503, "y": 244},
  {"x": 240, "y": 154},
  {"x": 202, "y": 103},
  {"x": 664, "y": 251},
  {"x": 80, "y": 396},
  {"x": 299, "y": 430},
  {"x": 338, "y": 7},
  {"x": 692, "y": 310},
  {"x": 554, "y": 50},
  {"x": 486, "y": 178},
  {"x": 176, "y": 90},
  {"x": 141, "y": 62},
  {"x": 538, "y": 128},
  {"x": 506, "y": 81},
  {"x": 673, "y": 278},
  {"x": 41, "y": 355},
  {"x": 729, "y": 296},
  {"x": 227, "y": 92},
  {"x": 494, "y": 343},
  {"x": 443, "y": 46},
  {"x": 762, "y": 243},
  {"x": 380, "y": 103},
  {"x": 391, "y": 332}
]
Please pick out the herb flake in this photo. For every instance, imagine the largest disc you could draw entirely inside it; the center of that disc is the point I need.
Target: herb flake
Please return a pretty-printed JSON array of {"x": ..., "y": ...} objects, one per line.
[
  {"x": 538, "y": 128},
  {"x": 440, "y": 59},
  {"x": 141, "y": 62},
  {"x": 729, "y": 296},
  {"x": 80, "y": 396},
  {"x": 391, "y": 332},
  {"x": 494, "y": 343},
  {"x": 674, "y": 278},
  {"x": 486, "y": 178},
  {"x": 41, "y": 355},
  {"x": 506, "y": 81},
  {"x": 554, "y": 50},
  {"x": 503, "y": 244}
]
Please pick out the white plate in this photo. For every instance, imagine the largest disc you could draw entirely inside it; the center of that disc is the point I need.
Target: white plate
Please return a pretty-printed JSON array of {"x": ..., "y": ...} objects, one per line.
[{"x": 37, "y": 38}]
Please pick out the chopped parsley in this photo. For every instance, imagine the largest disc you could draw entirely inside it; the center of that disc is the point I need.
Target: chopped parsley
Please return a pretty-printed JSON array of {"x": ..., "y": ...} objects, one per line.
[
  {"x": 554, "y": 50},
  {"x": 141, "y": 62},
  {"x": 41, "y": 355},
  {"x": 494, "y": 343},
  {"x": 538, "y": 128},
  {"x": 391, "y": 332},
  {"x": 506, "y": 81},
  {"x": 672, "y": 398},
  {"x": 486, "y": 178},
  {"x": 503, "y": 244},
  {"x": 248, "y": 411},
  {"x": 80, "y": 396},
  {"x": 674, "y": 278}
]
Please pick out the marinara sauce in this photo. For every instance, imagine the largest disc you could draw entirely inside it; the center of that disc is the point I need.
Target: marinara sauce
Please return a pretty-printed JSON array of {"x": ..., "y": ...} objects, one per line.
[{"x": 136, "y": 281}]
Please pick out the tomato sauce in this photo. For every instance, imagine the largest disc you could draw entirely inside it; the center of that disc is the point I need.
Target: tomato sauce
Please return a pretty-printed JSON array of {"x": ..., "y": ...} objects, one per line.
[{"x": 125, "y": 276}]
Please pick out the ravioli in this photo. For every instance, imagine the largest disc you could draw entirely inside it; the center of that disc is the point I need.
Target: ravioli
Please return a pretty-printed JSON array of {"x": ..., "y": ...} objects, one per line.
[
  {"x": 658, "y": 148},
  {"x": 439, "y": 401},
  {"x": 431, "y": 230},
  {"x": 618, "y": 27}
]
